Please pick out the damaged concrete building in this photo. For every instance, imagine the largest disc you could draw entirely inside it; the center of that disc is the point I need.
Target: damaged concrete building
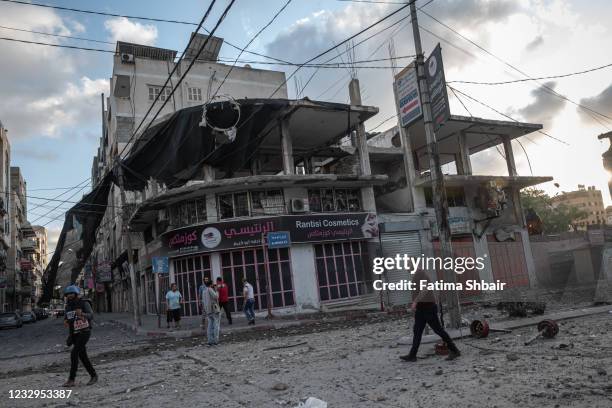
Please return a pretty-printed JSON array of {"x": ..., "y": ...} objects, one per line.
[
  {"x": 208, "y": 183},
  {"x": 485, "y": 214}
]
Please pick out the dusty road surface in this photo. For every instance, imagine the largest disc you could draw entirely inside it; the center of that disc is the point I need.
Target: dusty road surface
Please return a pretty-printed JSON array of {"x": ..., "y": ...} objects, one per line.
[{"x": 347, "y": 364}]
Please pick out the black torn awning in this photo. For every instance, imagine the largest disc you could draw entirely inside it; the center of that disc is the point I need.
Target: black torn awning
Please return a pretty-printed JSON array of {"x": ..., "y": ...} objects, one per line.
[
  {"x": 88, "y": 213},
  {"x": 174, "y": 151}
]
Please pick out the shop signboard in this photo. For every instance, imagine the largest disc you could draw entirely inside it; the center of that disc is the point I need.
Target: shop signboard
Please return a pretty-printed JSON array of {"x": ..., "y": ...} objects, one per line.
[
  {"x": 280, "y": 239},
  {"x": 434, "y": 69},
  {"x": 103, "y": 272},
  {"x": 160, "y": 264},
  {"x": 25, "y": 265},
  {"x": 332, "y": 227},
  {"x": 87, "y": 271},
  {"x": 242, "y": 234}
]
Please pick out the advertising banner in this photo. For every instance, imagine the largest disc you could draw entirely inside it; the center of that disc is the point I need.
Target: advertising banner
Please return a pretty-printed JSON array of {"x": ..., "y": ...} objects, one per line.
[
  {"x": 407, "y": 96},
  {"x": 434, "y": 69},
  {"x": 241, "y": 234}
]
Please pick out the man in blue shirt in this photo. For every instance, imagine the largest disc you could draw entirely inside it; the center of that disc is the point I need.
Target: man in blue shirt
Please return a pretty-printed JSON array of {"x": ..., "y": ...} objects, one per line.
[{"x": 173, "y": 301}]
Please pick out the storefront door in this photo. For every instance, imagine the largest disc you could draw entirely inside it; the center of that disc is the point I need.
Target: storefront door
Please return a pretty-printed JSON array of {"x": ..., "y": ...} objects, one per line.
[
  {"x": 341, "y": 270},
  {"x": 249, "y": 263},
  {"x": 188, "y": 275}
]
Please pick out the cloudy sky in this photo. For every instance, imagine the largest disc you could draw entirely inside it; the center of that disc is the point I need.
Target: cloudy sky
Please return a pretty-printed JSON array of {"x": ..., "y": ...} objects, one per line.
[{"x": 50, "y": 97}]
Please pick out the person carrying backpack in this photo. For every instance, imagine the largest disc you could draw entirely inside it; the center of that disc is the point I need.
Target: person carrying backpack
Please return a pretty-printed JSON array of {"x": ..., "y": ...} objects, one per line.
[{"x": 77, "y": 317}]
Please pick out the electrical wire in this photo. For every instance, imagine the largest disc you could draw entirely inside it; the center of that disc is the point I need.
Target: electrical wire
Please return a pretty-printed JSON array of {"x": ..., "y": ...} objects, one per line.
[
  {"x": 261, "y": 30},
  {"x": 339, "y": 44},
  {"x": 53, "y": 188},
  {"x": 74, "y": 47},
  {"x": 143, "y": 18},
  {"x": 46, "y": 200},
  {"x": 503, "y": 114},
  {"x": 533, "y": 79},
  {"x": 50, "y": 211},
  {"x": 56, "y": 35},
  {"x": 373, "y": 1}
]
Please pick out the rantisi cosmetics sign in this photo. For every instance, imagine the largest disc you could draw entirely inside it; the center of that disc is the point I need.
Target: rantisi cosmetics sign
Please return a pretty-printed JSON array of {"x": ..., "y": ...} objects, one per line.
[
  {"x": 240, "y": 234},
  {"x": 331, "y": 227}
]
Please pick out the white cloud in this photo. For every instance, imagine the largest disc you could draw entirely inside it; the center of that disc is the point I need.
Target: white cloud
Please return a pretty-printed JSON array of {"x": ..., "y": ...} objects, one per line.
[
  {"x": 122, "y": 29},
  {"x": 68, "y": 108},
  {"x": 41, "y": 92}
]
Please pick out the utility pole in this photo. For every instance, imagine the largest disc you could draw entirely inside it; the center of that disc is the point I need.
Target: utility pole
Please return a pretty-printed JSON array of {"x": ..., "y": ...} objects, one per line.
[
  {"x": 437, "y": 178},
  {"x": 125, "y": 230}
]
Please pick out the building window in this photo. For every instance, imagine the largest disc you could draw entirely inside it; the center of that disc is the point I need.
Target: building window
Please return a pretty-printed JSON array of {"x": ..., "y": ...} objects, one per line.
[
  {"x": 334, "y": 199},
  {"x": 189, "y": 274},
  {"x": 455, "y": 197},
  {"x": 194, "y": 94},
  {"x": 155, "y": 90},
  {"x": 249, "y": 264},
  {"x": 188, "y": 213},
  {"x": 250, "y": 203},
  {"x": 341, "y": 270}
]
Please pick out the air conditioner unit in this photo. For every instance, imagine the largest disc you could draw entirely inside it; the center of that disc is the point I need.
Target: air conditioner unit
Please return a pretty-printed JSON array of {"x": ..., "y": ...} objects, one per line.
[
  {"x": 127, "y": 58},
  {"x": 298, "y": 205}
]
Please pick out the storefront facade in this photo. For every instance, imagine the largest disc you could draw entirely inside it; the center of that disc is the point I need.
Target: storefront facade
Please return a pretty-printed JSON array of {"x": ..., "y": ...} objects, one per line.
[{"x": 327, "y": 259}]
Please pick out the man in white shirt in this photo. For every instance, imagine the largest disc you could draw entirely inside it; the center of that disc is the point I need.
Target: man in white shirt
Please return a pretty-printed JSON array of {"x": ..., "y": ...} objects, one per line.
[{"x": 249, "y": 301}]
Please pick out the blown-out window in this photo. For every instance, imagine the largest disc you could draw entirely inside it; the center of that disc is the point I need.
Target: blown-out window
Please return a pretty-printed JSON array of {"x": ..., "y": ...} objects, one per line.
[
  {"x": 250, "y": 203},
  {"x": 188, "y": 213},
  {"x": 334, "y": 200}
]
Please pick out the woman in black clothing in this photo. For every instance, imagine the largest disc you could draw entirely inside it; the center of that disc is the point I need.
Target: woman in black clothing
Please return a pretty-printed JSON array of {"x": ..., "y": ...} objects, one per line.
[{"x": 77, "y": 317}]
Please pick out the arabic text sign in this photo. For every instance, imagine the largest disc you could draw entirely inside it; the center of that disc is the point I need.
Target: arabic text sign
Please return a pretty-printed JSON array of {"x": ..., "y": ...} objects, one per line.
[
  {"x": 160, "y": 264},
  {"x": 408, "y": 96},
  {"x": 219, "y": 236},
  {"x": 103, "y": 272},
  {"x": 280, "y": 239},
  {"x": 440, "y": 109},
  {"x": 242, "y": 234}
]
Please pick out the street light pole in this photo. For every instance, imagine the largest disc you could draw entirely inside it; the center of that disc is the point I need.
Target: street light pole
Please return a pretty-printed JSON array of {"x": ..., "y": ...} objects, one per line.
[{"x": 437, "y": 178}]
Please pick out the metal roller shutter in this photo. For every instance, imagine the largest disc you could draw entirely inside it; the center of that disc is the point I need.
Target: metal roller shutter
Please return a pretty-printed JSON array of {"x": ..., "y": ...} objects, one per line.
[{"x": 393, "y": 243}]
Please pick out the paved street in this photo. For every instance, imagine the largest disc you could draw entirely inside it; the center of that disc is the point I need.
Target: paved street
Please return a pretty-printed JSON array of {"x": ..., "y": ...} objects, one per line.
[{"x": 348, "y": 364}]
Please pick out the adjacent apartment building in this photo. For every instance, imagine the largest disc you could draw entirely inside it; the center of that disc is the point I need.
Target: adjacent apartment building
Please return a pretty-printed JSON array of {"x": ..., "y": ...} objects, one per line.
[
  {"x": 5, "y": 194},
  {"x": 587, "y": 199}
]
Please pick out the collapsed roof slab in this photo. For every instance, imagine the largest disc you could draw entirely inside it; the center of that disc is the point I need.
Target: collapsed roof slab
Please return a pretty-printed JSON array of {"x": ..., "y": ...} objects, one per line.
[
  {"x": 458, "y": 180},
  {"x": 481, "y": 134}
]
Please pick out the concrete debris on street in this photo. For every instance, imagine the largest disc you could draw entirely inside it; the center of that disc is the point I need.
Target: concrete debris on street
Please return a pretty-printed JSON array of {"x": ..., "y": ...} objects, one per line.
[{"x": 341, "y": 362}]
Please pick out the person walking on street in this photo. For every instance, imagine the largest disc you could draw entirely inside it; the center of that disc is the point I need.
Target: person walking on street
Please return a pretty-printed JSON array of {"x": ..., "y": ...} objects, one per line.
[
  {"x": 77, "y": 317},
  {"x": 224, "y": 298},
  {"x": 426, "y": 313},
  {"x": 173, "y": 301},
  {"x": 249, "y": 301},
  {"x": 201, "y": 290},
  {"x": 210, "y": 304}
]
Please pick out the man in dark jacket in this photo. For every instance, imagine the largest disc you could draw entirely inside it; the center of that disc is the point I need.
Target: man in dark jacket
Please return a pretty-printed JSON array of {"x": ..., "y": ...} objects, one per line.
[
  {"x": 426, "y": 312},
  {"x": 224, "y": 298},
  {"x": 77, "y": 317}
]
